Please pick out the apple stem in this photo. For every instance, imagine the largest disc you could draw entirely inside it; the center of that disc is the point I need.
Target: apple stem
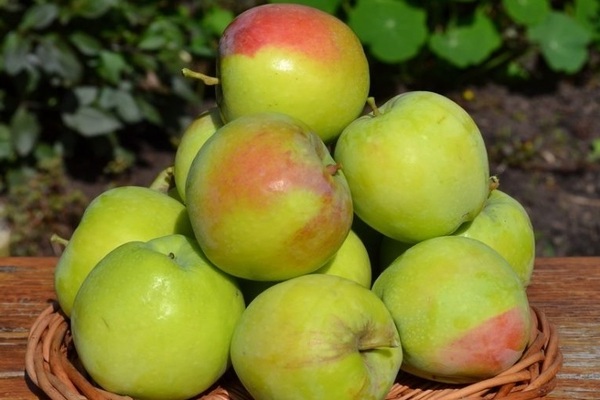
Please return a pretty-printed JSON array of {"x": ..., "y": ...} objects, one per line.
[
  {"x": 373, "y": 105},
  {"x": 208, "y": 80},
  {"x": 163, "y": 181},
  {"x": 379, "y": 343},
  {"x": 58, "y": 239},
  {"x": 332, "y": 169},
  {"x": 494, "y": 183}
]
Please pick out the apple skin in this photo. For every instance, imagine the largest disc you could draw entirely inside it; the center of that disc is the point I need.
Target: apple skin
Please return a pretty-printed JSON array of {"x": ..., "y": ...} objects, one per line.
[
  {"x": 195, "y": 135},
  {"x": 293, "y": 59},
  {"x": 505, "y": 226},
  {"x": 316, "y": 336},
  {"x": 114, "y": 217},
  {"x": 266, "y": 200},
  {"x": 351, "y": 262},
  {"x": 461, "y": 310},
  {"x": 417, "y": 167},
  {"x": 154, "y": 320}
]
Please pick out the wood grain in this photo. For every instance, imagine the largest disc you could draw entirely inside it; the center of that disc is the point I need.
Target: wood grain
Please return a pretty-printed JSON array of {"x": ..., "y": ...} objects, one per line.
[{"x": 567, "y": 290}]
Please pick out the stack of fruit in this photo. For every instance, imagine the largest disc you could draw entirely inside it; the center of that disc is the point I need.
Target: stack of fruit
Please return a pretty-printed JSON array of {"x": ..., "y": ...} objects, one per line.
[{"x": 312, "y": 250}]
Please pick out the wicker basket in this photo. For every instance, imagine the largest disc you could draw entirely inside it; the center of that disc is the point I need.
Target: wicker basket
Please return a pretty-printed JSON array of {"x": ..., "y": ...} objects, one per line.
[{"x": 52, "y": 364}]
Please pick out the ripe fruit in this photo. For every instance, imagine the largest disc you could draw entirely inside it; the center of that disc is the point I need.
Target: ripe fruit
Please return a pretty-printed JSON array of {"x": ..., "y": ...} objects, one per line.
[
  {"x": 292, "y": 59},
  {"x": 266, "y": 200},
  {"x": 196, "y": 134},
  {"x": 116, "y": 216},
  {"x": 154, "y": 320},
  {"x": 461, "y": 310},
  {"x": 316, "y": 337},
  {"x": 417, "y": 167}
]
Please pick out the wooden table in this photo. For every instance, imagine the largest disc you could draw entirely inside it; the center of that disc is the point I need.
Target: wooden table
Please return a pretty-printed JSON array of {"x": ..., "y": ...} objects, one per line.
[{"x": 567, "y": 290}]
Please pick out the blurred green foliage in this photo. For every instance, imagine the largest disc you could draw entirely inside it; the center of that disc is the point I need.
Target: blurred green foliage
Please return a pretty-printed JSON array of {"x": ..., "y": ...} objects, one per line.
[{"x": 79, "y": 73}]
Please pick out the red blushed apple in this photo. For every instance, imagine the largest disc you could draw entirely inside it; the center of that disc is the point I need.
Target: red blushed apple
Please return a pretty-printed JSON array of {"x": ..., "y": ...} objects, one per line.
[
  {"x": 266, "y": 200},
  {"x": 461, "y": 310},
  {"x": 293, "y": 59}
]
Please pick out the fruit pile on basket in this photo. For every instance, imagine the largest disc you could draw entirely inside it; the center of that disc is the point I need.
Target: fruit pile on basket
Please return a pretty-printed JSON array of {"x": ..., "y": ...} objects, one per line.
[{"x": 302, "y": 249}]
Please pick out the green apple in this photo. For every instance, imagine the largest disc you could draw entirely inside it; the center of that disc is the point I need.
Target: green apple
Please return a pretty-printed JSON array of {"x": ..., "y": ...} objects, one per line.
[
  {"x": 417, "y": 167},
  {"x": 293, "y": 59},
  {"x": 461, "y": 310},
  {"x": 195, "y": 135},
  {"x": 154, "y": 320},
  {"x": 266, "y": 200},
  {"x": 351, "y": 262},
  {"x": 116, "y": 216},
  {"x": 316, "y": 336},
  {"x": 505, "y": 226}
]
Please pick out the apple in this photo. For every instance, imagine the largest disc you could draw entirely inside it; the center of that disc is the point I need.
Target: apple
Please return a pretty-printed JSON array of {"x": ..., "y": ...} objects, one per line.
[
  {"x": 266, "y": 200},
  {"x": 316, "y": 336},
  {"x": 154, "y": 320},
  {"x": 116, "y": 216},
  {"x": 296, "y": 60},
  {"x": 194, "y": 136},
  {"x": 351, "y": 261},
  {"x": 461, "y": 310},
  {"x": 505, "y": 226},
  {"x": 417, "y": 166}
]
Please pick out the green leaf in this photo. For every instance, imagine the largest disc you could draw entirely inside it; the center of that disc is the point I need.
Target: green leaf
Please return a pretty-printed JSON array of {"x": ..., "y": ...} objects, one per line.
[
  {"x": 15, "y": 52},
  {"x": 394, "y": 31},
  {"x": 563, "y": 42},
  {"x": 39, "y": 16},
  {"x": 111, "y": 66},
  {"x": 527, "y": 12},
  {"x": 149, "y": 111},
  {"x": 92, "y": 8},
  {"x": 90, "y": 121},
  {"x": 6, "y": 148},
  {"x": 56, "y": 57},
  {"x": 86, "y": 95},
  {"x": 466, "y": 45},
  {"x": 86, "y": 44},
  {"x": 329, "y": 6},
  {"x": 25, "y": 130},
  {"x": 216, "y": 19},
  {"x": 123, "y": 103},
  {"x": 162, "y": 33},
  {"x": 587, "y": 13}
]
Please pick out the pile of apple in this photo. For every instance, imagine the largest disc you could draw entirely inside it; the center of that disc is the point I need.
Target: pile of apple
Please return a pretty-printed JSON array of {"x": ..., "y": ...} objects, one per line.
[{"x": 312, "y": 248}]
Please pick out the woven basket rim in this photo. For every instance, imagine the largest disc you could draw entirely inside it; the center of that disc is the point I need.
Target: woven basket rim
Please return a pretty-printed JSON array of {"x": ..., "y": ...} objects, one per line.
[{"x": 51, "y": 364}]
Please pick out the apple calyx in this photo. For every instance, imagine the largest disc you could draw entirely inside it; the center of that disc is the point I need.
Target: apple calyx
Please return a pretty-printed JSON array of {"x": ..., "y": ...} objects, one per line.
[
  {"x": 164, "y": 180},
  {"x": 374, "y": 109},
  {"x": 208, "y": 80}
]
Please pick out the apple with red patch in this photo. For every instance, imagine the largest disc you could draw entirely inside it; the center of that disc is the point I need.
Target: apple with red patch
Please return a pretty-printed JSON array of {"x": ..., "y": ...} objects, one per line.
[
  {"x": 266, "y": 200},
  {"x": 461, "y": 310},
  {"x": 293, "y": 59}
]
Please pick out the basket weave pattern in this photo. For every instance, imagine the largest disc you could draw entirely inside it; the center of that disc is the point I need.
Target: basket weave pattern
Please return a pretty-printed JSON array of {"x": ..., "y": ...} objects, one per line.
[{"x": 52, "y": 364}]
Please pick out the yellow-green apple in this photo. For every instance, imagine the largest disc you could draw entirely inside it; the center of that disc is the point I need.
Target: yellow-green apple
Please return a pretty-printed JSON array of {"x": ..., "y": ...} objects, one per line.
[
  {"x": 417, "y": 166},
  {"x": 292, "y": 59},
  {"x": 266, "y": 200},
  {"x": 461, "y": 310},
  {"x": 505, "y": 226},
  {"x": 154, "y": 320},
  {"x": 116, "y": 216},
  {"x": 316, "y": 336},
  {"x": 351, "y": 261},
  {"x": 194, "y": 136}
]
